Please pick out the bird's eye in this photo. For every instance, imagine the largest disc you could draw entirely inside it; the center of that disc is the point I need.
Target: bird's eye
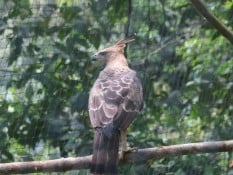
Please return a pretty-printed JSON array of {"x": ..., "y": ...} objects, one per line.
[{"x": 103, "y": 53}]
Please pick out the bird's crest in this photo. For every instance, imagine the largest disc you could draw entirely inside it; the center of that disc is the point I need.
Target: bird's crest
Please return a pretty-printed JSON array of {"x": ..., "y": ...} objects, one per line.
[
  {"x": 116, "y": 48},
  {"x": 122, "y": 43}
]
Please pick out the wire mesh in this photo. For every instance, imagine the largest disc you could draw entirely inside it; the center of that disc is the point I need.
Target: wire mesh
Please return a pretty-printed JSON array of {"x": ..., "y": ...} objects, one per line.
[{"x": 45, "y": 77}]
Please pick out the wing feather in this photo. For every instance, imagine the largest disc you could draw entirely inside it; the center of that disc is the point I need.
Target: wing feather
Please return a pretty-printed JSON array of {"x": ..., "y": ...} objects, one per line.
[{"x": 115, "y": 99}]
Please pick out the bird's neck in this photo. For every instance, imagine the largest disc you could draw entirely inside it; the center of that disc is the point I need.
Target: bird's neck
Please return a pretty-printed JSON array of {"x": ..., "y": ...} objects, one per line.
[{"x": 117, "y": 62}]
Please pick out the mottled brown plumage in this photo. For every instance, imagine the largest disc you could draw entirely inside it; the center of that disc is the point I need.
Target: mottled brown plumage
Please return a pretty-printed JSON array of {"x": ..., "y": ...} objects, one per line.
[{"x": 115, "y": 99}]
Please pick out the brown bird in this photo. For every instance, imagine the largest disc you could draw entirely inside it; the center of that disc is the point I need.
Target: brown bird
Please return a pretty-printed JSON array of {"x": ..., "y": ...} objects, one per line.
[{"x": 115, "y": 99}]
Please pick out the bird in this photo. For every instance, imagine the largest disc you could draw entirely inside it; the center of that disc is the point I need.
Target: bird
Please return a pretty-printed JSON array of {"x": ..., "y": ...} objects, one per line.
[{"x": 115, "y": 99}]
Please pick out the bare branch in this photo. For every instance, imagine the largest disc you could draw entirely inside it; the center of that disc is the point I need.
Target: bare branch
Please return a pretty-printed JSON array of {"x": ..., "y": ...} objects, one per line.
[
  {"x": 140, "y": 156},
  {"x": 176, "y": 150},
  {"x": 56, "y": 165},
  {"x": 213, "y": 20},
  {"x": 129, "y": 12}
]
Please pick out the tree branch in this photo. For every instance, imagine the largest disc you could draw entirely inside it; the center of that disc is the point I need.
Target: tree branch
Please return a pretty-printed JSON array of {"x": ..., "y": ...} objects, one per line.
[
  {"x": 140, "y": 156},
  {"x": 213, "y": 20},
  {"x": 129, "y": 12}
]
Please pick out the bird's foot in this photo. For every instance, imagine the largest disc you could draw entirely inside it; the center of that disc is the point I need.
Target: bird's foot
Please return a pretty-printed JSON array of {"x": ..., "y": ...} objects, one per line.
[
  {"x": 128, "y": 150},
  {"x": 133, "y": 149}
]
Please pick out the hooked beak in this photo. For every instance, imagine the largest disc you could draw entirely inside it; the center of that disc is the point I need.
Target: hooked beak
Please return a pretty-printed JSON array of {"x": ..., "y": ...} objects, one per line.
[{"x": 95, "y": 57}]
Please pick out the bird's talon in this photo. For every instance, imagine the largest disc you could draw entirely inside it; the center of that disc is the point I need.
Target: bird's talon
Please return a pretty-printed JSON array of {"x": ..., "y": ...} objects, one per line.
[
  {"x": 123, "y": 152},
  {"x": 133, "y": 149}
]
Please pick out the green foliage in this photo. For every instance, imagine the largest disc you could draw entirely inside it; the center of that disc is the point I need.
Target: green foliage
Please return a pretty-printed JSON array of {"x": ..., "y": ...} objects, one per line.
[{"x": 185, "y": 66}]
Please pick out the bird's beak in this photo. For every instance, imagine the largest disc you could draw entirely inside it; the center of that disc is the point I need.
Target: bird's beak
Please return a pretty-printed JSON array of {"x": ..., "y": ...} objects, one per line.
[{"x": 95, "y": 57}]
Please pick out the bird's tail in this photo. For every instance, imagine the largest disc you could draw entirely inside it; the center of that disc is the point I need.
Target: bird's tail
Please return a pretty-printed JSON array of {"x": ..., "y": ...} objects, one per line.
[{"x": 105, "y": 153}]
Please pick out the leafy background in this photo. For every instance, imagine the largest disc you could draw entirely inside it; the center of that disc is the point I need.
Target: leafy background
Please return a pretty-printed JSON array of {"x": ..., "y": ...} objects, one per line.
[{"x": 185, "y": 65}]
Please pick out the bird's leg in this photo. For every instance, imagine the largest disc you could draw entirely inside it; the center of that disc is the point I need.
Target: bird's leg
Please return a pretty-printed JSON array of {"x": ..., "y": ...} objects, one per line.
[
  {"x": 124, "y": 147},
  {"x": 123, "y": 144},
  {"x": 123, "y": 141}
]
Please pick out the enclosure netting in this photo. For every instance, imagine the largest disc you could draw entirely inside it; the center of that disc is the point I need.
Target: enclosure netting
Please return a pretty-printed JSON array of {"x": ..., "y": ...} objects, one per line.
[{"x": 185, "y": 65}]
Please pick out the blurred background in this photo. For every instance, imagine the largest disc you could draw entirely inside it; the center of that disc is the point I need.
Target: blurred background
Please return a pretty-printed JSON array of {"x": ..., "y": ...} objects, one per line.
[{"x": 185, "y": 65}]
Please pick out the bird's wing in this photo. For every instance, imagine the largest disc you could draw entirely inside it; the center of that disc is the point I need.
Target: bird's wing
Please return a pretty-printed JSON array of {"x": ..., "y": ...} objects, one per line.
[{"x": 115, "y": 100}]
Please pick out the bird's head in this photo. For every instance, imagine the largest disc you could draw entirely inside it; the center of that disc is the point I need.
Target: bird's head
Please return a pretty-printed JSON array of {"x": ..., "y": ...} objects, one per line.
[{"x": 114, "y": 51}]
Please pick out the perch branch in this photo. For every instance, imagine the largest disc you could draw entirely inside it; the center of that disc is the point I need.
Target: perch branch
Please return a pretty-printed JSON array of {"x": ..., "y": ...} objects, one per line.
[
  {"x": 213, "y": 20},
  {"x": 140, "y": 156}
]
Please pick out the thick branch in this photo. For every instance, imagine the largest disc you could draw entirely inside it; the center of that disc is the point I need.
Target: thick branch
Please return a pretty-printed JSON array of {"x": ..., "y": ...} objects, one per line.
[
  {"x": 56, "y": 165},
  {"x": 142, "y": 155},
  {"x": 213, "y": 20}
]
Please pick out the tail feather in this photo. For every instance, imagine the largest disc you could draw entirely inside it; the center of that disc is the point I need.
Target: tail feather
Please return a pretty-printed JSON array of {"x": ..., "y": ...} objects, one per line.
[{"x": 105, "y": 153}]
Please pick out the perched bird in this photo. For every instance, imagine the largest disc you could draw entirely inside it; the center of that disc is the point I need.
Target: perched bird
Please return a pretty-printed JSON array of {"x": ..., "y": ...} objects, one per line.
[{"x": 115, "y": 99}]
